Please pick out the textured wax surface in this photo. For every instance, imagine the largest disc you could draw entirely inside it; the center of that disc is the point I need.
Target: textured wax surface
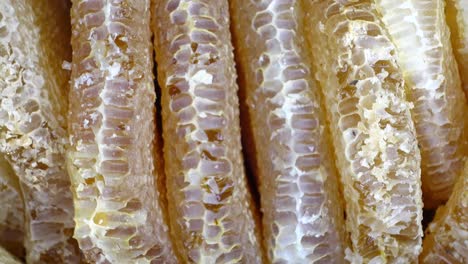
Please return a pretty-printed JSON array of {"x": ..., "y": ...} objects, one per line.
[
  {"x": 209, "y": 204},
  {"x": 12, "y": 210},
  {"x": 302, "y": 212},
  {"x": 119, "y": 216},
  {"x": 457, "y": 18},
  {"x": 422, "y": 39},
  {"x": 33, "y": 44},
  {"x": 446, "y": 239},
  {"x": 7, "y": 258},
  {"x": 373, "y": 134}
]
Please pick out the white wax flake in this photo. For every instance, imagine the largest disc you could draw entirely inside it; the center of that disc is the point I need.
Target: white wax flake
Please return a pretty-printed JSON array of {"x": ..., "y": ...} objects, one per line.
[
  {"x": 94, "y": 116},
  {"x": 261, "y": 60},
  {"x": 352, "y": 257},
  {"x": 87, "y": 173},
  {"x": 203, "y": 115},
  {"x": 364, "y": 163},
  {"x": 66, "y": 65},
  {"x": 86, "y": 123},
  {"x": 405, "y": 147},
  {"x": 435, "y": 84},
  {"x": 114, "y": 69},
  {"x": 213, "y": 185},
  {"x": 375, "y": 54},
  {"x": 202, "y": 77},
  {"x": 381, "y": 76},
  {"x": 361, "y": 29},
  {"x": 321, "y": 27},
  {"x": 85, "y": 78}
]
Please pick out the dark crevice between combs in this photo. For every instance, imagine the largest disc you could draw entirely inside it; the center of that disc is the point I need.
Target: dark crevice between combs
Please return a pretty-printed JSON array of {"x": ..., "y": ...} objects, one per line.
[{"x": 248, "y": 148}]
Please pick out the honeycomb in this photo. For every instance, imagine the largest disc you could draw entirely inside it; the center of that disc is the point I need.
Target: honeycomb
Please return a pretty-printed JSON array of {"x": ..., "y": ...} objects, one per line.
[
  {"x": 302, "y": 211},
  {"x": 373, "y": 134},
  {"x": 446, "y": 238},
  {"x": 457, "y": 19},
  {"x": 7, "y": 258},
  {"x": 434, "y": 88},
  {"x": 118, "y": 214},
  {"x": 33, "y": 44},
  {"x": 350, "y": 113},
  {"x": 210, "y": 207},
  {"x": 12, "y": 212}
]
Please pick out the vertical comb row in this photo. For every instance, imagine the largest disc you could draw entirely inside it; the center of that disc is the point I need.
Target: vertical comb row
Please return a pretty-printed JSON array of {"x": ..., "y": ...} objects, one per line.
[
  {"x": 12, "y": 212},
  {"x": 373, "y": 134},
  {"x": 33, "y": 45},
  {"x": 447, "y": 236},
  {"x": 302, "y": 212},
  {"x": 209, "y": 204},
  {"x": 422, "y": 39},
  {"x": 457, "y": 19},
  {"x": 118, "y": 215}
]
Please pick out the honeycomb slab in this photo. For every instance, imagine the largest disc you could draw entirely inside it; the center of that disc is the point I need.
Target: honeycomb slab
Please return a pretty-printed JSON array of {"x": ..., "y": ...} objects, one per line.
[
  {"x": 424, "y": 52},
  {"x": 209, "y": 203},
  {"x": 303, "y": 218},
  {"x": 33, "y": 45},
  {"x": 118, "y": 210},
  {"x": 373, "y": 133}
]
